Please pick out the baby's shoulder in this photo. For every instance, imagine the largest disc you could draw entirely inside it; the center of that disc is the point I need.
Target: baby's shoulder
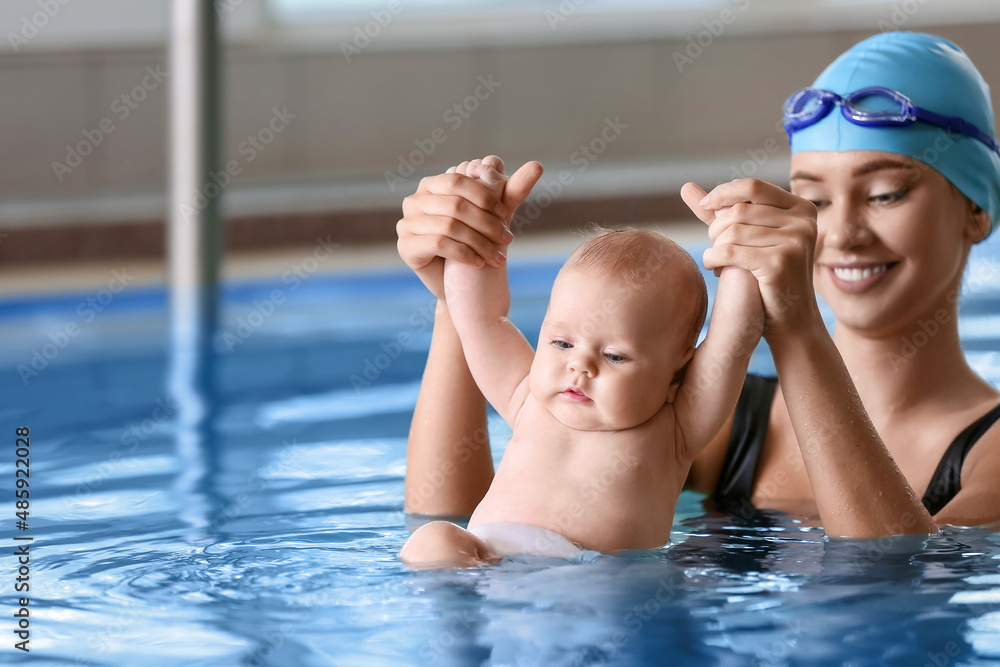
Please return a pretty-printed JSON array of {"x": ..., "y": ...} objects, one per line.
[
  {"x": 530, "y": 414},
  {"x": 660, "y": 435},
  {"x": 664, "y": 423}
]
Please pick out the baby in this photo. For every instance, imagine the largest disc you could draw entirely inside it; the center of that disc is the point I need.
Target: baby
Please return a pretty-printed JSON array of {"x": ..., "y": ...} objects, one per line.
[{"x": 609, "y": 411}]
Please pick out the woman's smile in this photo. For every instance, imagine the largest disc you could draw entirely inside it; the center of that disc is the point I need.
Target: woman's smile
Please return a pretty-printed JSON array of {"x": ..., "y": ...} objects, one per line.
[{"x": 857, "y": 276}]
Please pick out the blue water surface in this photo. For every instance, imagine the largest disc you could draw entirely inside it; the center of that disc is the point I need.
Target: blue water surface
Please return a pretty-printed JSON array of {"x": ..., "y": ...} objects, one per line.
[{"x": 269, "y": 534}]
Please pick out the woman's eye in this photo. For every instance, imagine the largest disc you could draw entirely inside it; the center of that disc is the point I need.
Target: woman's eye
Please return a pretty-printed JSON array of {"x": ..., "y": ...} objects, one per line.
[
  {"x": 562, "y": 344},
  {"x": 888, "y": 197},
  {"x": 614, "y": 358},
  {"x": 818, "y": 202}
]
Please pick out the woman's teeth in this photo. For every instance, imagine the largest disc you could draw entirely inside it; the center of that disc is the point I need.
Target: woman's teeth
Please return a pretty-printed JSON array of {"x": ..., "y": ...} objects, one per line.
[{"x": 855, "y": 275}]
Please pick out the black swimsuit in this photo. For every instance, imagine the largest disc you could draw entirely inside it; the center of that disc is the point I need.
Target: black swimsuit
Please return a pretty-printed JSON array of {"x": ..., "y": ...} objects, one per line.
[{"x": 746, "y": 443}]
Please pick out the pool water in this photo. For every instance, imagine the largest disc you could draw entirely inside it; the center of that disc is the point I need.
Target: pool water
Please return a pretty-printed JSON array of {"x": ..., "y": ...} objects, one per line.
[{"x": 270, "y": 537}]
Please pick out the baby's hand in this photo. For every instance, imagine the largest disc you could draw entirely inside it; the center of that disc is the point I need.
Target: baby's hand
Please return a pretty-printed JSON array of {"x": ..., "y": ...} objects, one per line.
[
  {"x": 489, "y": 171},
  {"x": 462, "y": 281}
]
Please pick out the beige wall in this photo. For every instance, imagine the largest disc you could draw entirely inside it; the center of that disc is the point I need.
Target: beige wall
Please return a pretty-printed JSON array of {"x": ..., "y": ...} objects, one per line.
[{"x": 353, "y": 120}]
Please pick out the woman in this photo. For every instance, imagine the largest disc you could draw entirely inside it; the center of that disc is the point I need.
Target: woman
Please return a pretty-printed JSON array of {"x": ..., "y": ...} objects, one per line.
[{"x": 881, "y": 217}]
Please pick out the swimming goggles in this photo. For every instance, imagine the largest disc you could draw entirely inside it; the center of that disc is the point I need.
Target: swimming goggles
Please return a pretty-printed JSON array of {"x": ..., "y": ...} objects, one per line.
[{"x": 810, "y": 105}]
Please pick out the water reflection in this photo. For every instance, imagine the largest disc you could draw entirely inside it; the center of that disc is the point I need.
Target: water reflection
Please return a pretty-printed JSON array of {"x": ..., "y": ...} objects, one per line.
[
  {"x": 773, "y": 594},
  {"x": 192, "y": 388}
]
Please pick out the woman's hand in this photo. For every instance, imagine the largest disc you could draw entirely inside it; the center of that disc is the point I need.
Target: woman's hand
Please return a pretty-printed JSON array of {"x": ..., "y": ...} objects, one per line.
[
  {"x": 770, "y": 232},
  {"x": 456, "y": 217}
]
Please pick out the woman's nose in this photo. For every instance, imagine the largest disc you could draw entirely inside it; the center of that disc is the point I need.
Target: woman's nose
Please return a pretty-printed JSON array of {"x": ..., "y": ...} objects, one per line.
[{"x": 844, "y": 226}]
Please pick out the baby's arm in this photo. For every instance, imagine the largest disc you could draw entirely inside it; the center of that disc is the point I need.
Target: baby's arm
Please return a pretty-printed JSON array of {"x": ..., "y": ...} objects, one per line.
[
  {"x": 478, "y": 300},
  {"x": 714, "y": 378}
]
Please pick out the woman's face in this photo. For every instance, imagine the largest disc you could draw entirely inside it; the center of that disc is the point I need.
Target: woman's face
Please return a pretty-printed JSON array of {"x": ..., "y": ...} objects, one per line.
[{"x": 892, "y": 237}]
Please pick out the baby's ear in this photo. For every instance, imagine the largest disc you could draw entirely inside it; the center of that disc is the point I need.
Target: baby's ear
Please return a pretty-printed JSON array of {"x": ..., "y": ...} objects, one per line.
[{"x": 678, "y": 378}]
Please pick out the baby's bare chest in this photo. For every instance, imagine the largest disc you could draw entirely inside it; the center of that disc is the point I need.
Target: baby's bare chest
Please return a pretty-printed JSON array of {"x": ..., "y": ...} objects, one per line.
[
  {"x": 539, "y": 433},
  {"x": 620, "y": 486},
  {"x": 552, "y": 459}
]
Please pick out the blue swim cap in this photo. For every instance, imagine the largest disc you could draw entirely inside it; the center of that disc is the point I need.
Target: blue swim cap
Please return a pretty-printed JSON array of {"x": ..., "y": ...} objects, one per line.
[{"x": 936, "y": 75}]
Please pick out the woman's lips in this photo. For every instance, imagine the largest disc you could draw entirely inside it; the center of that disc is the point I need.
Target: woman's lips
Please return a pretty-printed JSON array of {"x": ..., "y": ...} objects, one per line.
[
  {"x": 857, "y": 277},
  {"x": 575, "y": 394}
]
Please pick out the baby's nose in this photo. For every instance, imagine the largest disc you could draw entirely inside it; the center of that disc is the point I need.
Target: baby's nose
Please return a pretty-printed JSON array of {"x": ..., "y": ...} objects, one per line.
[{"x": 582, "y": 363}]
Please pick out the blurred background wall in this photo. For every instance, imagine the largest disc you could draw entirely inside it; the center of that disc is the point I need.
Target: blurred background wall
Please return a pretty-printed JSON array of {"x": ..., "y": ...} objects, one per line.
[{"x": 334, "y": 109}]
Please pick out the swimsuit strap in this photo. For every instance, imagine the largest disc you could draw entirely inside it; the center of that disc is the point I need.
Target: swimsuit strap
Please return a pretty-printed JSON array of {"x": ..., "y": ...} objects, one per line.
[
  {"x": 746, "y": 441},
  {"x": 947, "y": 479}
]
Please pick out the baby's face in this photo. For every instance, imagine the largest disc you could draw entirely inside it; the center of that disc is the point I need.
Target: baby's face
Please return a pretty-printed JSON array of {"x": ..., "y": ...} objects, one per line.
[{"x": 607, "y": 353}]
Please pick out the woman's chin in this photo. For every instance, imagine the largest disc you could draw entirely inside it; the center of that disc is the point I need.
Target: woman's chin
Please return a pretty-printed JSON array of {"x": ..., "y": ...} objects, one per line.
[
  {"x": 873, "y": 321},
  {"x": 863, "y": 311}
]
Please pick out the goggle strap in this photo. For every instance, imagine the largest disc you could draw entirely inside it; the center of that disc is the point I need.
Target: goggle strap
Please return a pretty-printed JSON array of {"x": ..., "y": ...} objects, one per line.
[{"x": 957, "y": 125}]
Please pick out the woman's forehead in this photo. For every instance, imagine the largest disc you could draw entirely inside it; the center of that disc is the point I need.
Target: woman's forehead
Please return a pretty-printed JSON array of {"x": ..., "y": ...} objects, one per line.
[{"x": 826, "y": 165}]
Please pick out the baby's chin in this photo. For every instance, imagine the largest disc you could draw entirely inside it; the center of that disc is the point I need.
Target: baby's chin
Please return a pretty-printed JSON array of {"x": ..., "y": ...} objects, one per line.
[{"x": 572, "y": 419}]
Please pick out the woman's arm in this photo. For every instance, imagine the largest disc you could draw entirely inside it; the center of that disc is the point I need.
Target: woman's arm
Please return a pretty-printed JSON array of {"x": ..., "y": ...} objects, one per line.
[
  {"x": 448, "y": 463},
  {"x": 859, "y": 490},
  {"x": 449, "y": 467}
]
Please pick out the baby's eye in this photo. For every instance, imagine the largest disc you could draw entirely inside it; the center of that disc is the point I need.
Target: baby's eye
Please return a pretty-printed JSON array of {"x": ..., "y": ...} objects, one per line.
[
  {"x": 562, "y": 344},
  {"x": 614, "y": 358}
]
